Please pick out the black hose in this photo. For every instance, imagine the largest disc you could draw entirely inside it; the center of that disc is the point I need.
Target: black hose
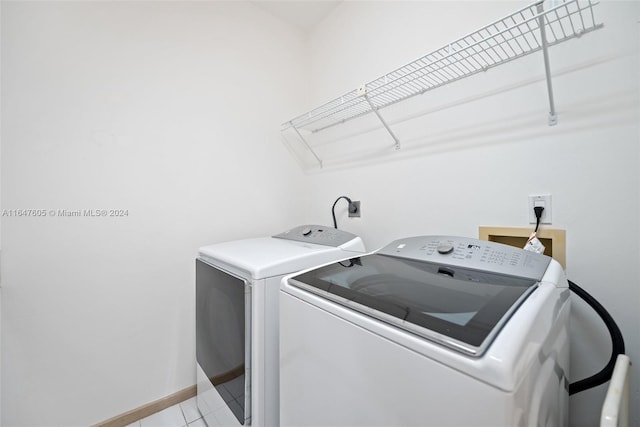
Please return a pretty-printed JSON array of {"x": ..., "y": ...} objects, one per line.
[
  {"x": 617, "y": 343},
  {"x": 333, "y": 209}
]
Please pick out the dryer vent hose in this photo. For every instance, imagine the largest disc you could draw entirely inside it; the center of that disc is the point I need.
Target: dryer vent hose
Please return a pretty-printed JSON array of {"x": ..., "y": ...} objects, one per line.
[{"x": 617, "y": 343}]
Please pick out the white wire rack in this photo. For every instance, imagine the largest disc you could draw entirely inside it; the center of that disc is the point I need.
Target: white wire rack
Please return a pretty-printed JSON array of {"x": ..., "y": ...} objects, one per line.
[{"x": 525, "y": 31}]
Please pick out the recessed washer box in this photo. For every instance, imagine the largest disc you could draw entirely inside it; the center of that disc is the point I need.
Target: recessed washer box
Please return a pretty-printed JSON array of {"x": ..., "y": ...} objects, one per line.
[{"x": 553, "y": 239}]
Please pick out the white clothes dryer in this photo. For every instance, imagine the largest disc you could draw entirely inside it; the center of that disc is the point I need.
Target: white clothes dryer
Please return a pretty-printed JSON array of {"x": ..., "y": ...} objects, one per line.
[
  {"x": 428, "y": 331},
  {"x": 237, "y": 315}
]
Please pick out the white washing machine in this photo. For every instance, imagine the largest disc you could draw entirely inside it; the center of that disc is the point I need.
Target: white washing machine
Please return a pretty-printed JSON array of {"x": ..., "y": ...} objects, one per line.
[
  {"x": 237, "y": 286},
  {"x": 428, "y": 331}
]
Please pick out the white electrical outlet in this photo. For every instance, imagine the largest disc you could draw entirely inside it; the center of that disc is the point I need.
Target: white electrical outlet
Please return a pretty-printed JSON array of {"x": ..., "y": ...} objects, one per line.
[{"x": 543, "y": 200}]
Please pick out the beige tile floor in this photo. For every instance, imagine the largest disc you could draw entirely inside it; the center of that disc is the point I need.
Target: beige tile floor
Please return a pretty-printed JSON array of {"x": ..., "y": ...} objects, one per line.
[{"x": 181, "y": 415}]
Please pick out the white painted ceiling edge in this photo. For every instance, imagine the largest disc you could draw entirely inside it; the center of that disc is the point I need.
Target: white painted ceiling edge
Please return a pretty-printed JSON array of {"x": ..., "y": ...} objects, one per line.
[{"x": 303, "y": 14}]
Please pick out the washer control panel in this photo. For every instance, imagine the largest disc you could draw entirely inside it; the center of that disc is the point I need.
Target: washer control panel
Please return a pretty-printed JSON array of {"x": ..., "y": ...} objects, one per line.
[
  {"x": 317, "y": 234},
  {"x": 470, "y": 253}
]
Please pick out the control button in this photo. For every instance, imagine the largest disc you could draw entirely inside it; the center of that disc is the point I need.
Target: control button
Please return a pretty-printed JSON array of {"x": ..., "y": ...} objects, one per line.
[
  {"x": 306, "y": 231},
  {"x": 445, "y": 248}
]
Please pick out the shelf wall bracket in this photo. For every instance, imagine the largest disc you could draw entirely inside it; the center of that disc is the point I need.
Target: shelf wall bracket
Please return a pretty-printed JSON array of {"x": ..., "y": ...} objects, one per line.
[
  {"x": 384, "y": 123},
  {"x": 553, "y": 117},
  {"x": 307, "y": 145}
]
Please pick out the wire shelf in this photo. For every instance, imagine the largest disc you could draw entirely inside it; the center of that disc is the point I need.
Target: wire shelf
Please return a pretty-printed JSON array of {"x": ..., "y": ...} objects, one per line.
[{"x": 525, "y": 31}]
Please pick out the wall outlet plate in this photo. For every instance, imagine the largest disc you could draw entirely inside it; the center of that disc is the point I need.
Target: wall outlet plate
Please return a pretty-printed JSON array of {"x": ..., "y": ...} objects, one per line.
[
  {"x": 543, "y": 200},
  {"x": 355, "y": 214}
]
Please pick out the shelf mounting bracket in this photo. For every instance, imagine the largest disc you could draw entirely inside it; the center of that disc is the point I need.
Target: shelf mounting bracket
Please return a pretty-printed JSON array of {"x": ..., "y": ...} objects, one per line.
[
  {"x": 307, "y": 144},
  {"x": 384, "y": 123},
  {"x": 553, "y": 117}
]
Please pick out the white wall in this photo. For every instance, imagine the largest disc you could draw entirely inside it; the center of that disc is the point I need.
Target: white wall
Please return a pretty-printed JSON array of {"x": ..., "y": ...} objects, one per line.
[
  {"x": 0, "y": 223},
  {"x": 485, "y": 146},
  {"x": 170, "y": 110}
]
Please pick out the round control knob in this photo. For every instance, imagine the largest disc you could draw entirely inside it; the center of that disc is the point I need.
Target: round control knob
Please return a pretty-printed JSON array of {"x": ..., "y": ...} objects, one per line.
[
  {"x": 306, "y": 231},
  {"x": 445, "y": 248}
]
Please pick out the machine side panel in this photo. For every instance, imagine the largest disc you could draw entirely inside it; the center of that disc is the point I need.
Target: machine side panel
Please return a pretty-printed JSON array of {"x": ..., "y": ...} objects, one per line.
[
  {"x": 265, "y": 350},
  {"x": 327, "y": 362}
]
